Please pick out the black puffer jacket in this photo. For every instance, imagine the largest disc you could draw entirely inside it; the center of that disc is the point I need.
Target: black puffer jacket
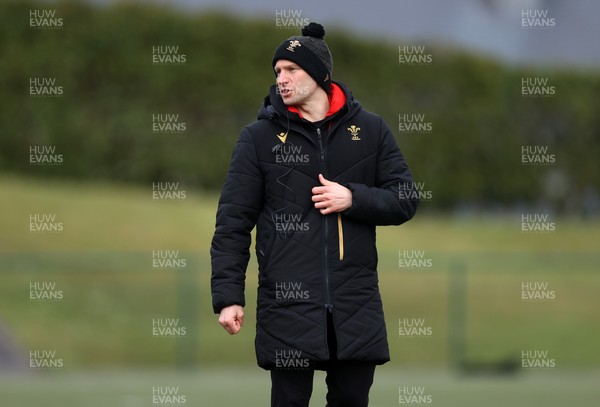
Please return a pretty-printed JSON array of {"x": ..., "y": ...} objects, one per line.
[{"x": 310, "y": 264}]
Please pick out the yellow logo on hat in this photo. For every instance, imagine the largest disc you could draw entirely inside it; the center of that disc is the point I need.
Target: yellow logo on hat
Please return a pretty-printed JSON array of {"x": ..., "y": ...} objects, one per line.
[
  {"x": 354, "y": 131},
  {"x": 293, "y": 44}
]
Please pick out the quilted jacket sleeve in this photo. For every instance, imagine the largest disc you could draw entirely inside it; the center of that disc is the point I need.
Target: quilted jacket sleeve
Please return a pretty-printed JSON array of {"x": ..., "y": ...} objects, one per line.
[
  {"x": 383, "y": 204},
  {"x": 239, "y": 207}
]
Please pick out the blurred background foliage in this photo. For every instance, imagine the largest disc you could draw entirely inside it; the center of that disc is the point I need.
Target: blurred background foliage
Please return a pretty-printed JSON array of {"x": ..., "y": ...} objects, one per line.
[{"x": 103, "y": 123}]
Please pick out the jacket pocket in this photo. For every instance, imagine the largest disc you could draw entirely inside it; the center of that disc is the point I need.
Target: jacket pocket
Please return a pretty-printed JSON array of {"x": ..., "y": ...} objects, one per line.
[{"x": 263, "y": 251}]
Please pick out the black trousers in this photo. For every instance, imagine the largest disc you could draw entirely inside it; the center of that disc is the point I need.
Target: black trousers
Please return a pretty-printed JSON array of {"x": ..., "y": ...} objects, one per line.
[{"x": 348, "y": 382}]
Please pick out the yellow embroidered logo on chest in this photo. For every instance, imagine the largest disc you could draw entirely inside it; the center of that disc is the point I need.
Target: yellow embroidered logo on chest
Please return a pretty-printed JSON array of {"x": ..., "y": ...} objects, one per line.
[
  {"x": 354, "y": 132},
  {"x": 282, "y": 136}
]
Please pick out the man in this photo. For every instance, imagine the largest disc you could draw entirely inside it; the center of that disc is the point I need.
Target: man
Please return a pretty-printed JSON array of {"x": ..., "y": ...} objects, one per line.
[{"x": 316, "y": 174}]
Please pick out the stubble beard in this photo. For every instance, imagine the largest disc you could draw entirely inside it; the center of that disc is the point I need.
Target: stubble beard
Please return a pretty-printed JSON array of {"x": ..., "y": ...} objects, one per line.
[{"x": 299, "y": 96}]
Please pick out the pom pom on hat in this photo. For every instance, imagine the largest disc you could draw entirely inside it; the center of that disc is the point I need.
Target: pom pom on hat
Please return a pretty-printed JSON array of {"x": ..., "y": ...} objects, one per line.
[{"x": 314, "y": 30}]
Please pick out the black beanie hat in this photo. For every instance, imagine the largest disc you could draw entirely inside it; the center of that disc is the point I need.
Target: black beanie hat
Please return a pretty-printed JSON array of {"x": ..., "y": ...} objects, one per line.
[{"x": 310, "y": 52}]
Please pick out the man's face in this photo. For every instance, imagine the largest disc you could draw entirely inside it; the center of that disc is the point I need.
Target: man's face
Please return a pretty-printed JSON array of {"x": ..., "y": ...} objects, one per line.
[{"x": 295, "y": 85}]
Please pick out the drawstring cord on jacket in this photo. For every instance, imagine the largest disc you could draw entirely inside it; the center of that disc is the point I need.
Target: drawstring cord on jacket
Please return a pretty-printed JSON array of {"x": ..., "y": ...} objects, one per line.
[{"x": 341, "y": 236}]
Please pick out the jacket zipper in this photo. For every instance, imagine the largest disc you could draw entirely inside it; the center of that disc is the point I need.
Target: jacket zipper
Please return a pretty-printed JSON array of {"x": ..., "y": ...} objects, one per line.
[{"x": 324, "y": 263}]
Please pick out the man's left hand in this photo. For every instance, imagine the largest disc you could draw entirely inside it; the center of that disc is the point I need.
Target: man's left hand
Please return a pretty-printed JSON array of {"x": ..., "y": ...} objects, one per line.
[{"x": 331, "y": 196}]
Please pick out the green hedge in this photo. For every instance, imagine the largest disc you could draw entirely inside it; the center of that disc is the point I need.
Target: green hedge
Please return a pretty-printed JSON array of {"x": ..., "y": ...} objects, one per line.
[{"x": 102, "y": 124}]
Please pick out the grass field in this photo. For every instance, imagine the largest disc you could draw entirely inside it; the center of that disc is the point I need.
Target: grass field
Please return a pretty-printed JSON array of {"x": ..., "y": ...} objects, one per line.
[
  {"x": 102, "y": 327},
  {"x": 250, "y": 388}
]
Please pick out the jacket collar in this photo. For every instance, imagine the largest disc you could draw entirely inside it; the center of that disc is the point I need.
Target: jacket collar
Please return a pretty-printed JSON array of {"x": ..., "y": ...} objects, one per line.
[{"x": 337, "y": 100}]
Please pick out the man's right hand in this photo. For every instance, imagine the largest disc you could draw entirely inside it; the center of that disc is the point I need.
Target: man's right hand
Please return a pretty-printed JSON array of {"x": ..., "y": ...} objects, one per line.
[{"x": 232, "y": 318}]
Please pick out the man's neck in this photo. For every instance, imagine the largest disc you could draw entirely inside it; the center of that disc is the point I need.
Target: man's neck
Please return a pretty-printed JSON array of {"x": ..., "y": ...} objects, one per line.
[{"x": 316, "y": 107}]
